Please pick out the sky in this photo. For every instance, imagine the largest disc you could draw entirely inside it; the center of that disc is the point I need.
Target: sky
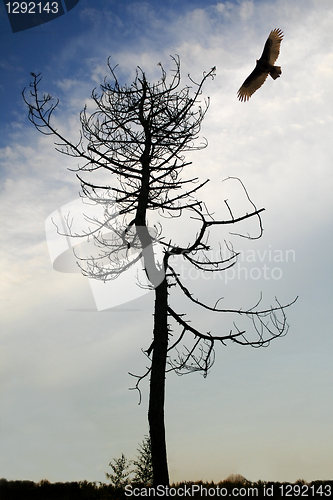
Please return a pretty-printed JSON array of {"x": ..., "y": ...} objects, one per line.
[{"x": 65, "y": 405}]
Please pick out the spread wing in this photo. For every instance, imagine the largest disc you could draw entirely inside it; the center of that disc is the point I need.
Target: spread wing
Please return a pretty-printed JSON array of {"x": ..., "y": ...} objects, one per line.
[
  {"x": 270, "y": 54},
  {"x": 272, "y": 46},
  {"x": 253, "y": 82}
]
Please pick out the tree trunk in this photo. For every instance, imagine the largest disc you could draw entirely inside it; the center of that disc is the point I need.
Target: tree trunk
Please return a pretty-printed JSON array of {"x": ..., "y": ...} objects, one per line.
[{"x": 157, "y": 387}]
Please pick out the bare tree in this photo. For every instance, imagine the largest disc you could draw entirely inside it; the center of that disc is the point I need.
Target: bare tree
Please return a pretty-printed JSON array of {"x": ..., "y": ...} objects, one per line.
[{"x": 139, "y": 134}]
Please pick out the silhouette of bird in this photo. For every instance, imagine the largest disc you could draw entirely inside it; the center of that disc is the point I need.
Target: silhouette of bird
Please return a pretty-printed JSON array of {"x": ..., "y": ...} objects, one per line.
[{"x": 265, "y": 66}]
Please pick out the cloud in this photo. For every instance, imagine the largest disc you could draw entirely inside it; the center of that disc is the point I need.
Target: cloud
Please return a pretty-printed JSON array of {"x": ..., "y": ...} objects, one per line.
[{"x": 246, "y": 10}]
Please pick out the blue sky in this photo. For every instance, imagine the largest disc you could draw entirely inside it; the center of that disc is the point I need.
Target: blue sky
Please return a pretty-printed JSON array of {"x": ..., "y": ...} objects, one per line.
[{"x": 66, "y": 410}]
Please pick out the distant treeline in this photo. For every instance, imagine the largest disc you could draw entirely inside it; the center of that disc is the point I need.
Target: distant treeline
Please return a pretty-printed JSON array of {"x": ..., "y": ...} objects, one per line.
[{"x": 232, "y": 487}]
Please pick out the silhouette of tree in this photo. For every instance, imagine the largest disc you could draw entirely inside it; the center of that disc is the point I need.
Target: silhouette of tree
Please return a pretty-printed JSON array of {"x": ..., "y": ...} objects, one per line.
[
  {"x": 139, "y": 134},
  {"x": 120, "y": 475},
  {"x": 144, "y": 465}
]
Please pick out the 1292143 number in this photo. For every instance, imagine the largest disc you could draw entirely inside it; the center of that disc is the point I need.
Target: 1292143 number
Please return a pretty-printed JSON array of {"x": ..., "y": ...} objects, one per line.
[
  {"x": 304, "y": 490},
  {"x": 32, "y": 8}
]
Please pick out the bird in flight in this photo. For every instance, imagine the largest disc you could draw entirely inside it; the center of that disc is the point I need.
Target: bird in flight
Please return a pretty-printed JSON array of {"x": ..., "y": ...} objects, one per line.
[{"x": 265, "y": 66}]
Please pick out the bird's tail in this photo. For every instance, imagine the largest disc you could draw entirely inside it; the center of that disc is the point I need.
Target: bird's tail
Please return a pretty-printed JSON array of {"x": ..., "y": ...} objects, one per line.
[{"x": 275, "y": 72}]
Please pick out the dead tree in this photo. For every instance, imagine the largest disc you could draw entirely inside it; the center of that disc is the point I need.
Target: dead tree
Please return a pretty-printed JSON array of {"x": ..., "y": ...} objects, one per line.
[{"x": 138, "y": 134}]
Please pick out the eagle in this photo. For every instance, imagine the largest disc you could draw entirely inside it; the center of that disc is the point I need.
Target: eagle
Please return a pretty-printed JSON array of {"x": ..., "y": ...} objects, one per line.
[{"x": 265, "y": 66}]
